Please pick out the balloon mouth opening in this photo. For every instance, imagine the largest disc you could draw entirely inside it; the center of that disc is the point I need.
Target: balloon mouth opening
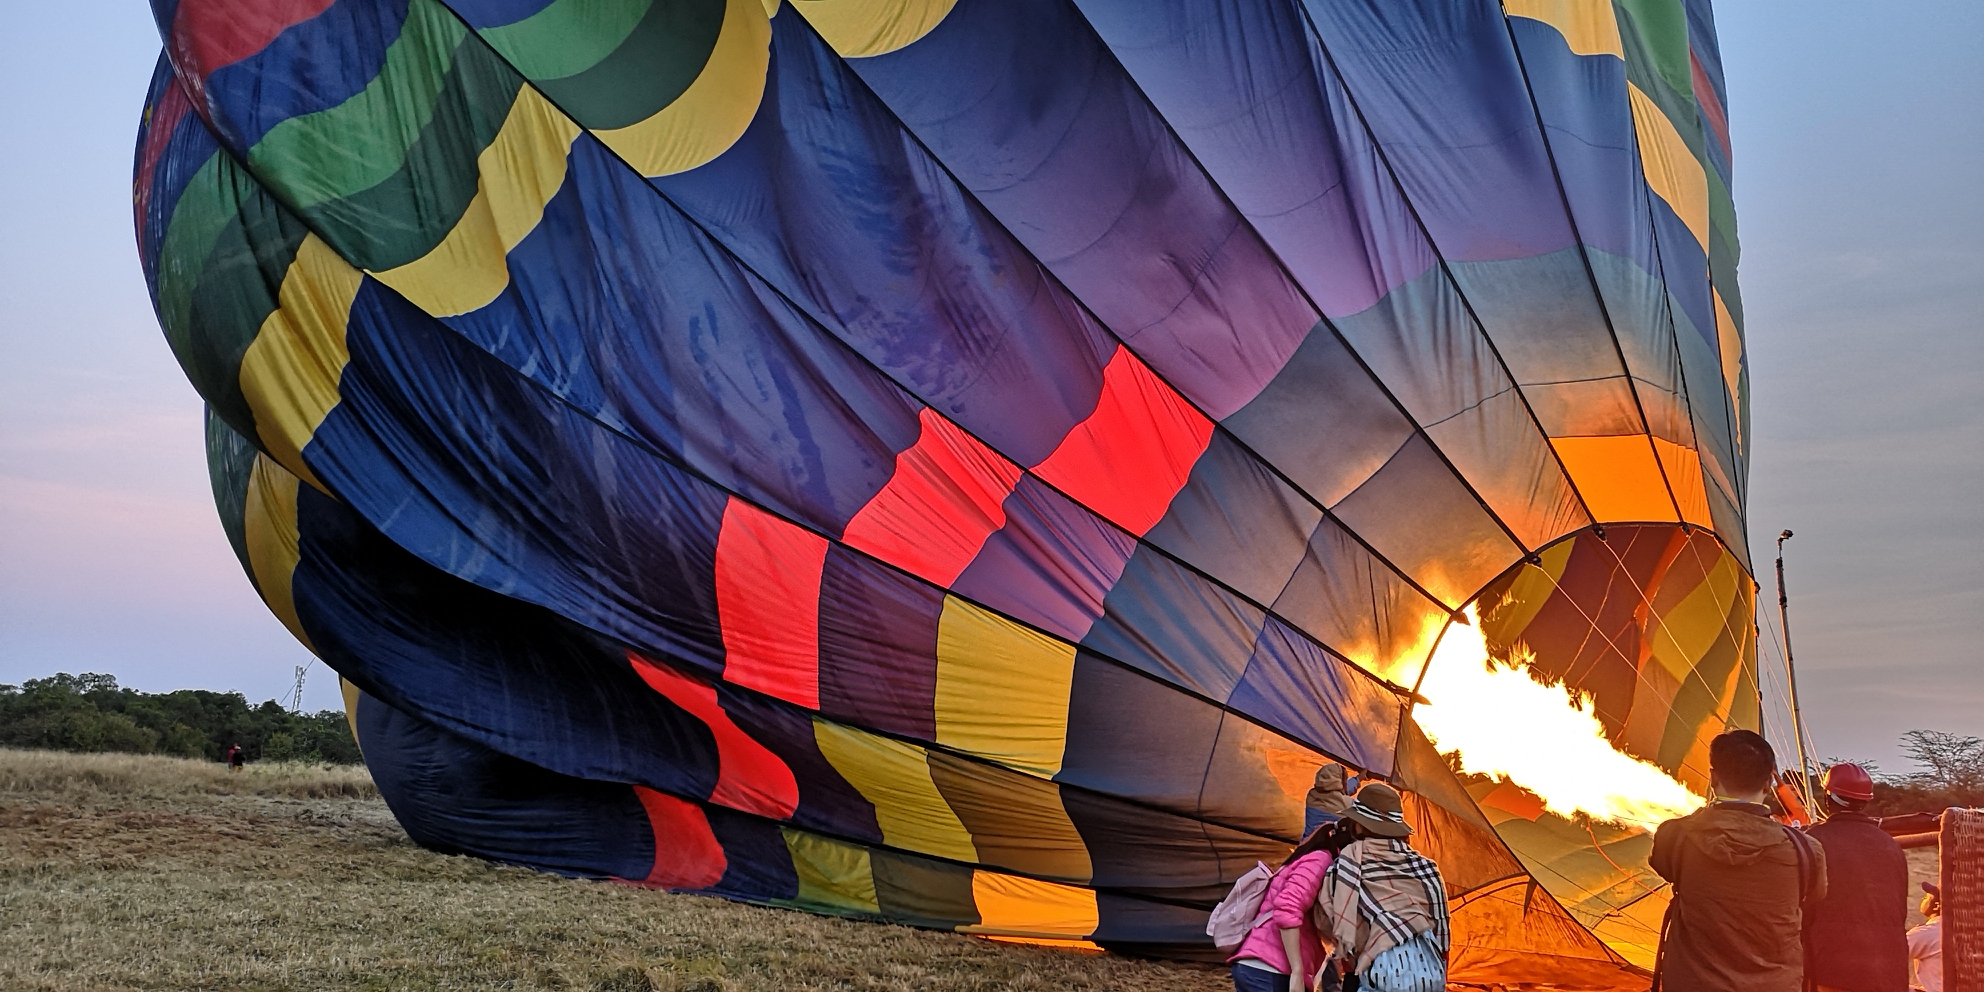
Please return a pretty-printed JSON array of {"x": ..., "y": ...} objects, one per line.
[{"x": 1493, "y": 714}]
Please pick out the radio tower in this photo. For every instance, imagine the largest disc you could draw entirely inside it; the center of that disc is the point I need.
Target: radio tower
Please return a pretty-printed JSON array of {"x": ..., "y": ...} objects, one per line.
[{"x": 296, "y": 696}]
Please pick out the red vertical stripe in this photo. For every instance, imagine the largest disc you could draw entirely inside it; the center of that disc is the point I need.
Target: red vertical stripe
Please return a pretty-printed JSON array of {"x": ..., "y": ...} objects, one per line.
[
  {"x": 749, "y": 776},
  {"x": 1718, "y": 122},
  {"x": 768, "y": 601},
  {"x": 208, "y": 34},
  {"x": 166, "y": 114},
  {"x": 942, "y": 503},
  {"x": 686, "y": 852},
  {"x": 1133, "y": 454}
]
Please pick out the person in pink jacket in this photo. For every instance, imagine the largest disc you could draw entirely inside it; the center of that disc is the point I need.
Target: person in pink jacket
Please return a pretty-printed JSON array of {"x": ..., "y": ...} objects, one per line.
[{"x": 1261, "y": 964}]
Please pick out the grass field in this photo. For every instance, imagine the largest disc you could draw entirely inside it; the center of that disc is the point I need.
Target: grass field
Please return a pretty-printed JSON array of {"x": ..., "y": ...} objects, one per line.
[{"x": 138, "y": 872}]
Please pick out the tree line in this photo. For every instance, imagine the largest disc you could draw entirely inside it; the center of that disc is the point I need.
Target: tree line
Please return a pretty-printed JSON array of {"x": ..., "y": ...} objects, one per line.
[
  {"x": 91, "y": 712},
  {"x": 1951, "y": 774}
]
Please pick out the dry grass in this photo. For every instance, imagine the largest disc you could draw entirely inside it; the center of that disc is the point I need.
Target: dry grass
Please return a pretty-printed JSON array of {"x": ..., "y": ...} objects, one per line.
[
  {"x": 67, "y": 776},
  {"x": 120, "y": 872}
]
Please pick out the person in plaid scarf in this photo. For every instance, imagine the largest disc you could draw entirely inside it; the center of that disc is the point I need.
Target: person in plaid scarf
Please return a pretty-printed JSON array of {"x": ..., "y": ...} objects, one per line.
[{"x": 1384, "y": 902}]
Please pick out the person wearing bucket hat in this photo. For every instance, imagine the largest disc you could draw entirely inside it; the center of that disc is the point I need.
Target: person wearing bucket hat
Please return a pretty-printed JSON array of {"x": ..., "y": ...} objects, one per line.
[
  {"x": 1380, "y": 810},
  {"x": 1385, "y": 903}
]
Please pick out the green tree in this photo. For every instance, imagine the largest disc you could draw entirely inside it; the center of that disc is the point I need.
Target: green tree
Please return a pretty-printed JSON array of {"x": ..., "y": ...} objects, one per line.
[
  {"x": 281, "y": 746},
  {"x": 91, "y": 712},
  {"x": 184, "y": 741}
]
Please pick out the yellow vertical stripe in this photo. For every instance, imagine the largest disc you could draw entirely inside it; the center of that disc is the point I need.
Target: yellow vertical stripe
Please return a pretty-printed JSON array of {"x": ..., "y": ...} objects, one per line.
[
  {"x": 861, "y": 28},
  {"x": 1671, "y": 169},
  {"x": 269, "y": 518},
  {"x": 1002, "y": 689},
  {"x": 520, "y": 172},
  {"x": 1746, "y": 709},
  {"x": 833, "y": 875},
  {"x": 1589, "y": 26},
  {"x": 1024, "y": 907},
  {"x": 351, "y": 710},
  {"x": 895, "y": 778},
  {"x": 1729, "y": 342},
  {"x": 290, "y": 372},
  {"x": 717, "y": 107},
  {"x": 1683, "y": 635}
]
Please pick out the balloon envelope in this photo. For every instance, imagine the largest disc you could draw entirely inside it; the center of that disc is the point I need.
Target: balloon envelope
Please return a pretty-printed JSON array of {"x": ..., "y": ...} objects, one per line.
[{"x": 969, "y": 463}]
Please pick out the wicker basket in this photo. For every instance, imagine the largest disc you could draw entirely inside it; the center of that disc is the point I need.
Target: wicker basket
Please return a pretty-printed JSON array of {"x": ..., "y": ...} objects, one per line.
[{"x": 1962, "y": 854}]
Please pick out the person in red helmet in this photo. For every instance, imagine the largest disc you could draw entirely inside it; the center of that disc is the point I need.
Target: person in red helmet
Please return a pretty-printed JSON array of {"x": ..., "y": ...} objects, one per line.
[{"x": 1856, "y": 938}]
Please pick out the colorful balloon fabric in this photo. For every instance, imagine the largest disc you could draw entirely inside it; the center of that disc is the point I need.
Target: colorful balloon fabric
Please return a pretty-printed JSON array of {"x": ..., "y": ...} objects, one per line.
[{"x": 968, "y": 462}]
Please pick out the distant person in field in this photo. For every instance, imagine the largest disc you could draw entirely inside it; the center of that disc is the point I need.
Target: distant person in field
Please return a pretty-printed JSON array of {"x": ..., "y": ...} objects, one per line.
[
  {"x": 236, "y": 757},
  {"x": 1925, "y": 943},
  {"x": 1384, "y": 902},
  {"x": 1855, "y": 937},
  {"x": 1741, "y": 882}
]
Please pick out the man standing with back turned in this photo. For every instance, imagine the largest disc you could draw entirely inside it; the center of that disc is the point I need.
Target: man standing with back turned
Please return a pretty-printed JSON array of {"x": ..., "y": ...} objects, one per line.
[
  {"x": 1856, "y": 937},
  {"x": 1740, "y": 881}
]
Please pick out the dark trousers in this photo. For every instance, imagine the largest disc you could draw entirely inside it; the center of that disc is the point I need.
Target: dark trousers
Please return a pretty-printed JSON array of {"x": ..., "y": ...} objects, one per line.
[{"x": 1247, "y": 979}]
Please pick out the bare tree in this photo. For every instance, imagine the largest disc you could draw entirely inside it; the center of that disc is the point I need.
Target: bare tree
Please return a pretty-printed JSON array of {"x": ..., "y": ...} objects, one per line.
[
  {"x": 1873, "y": 769},
  {"x": 1949, "y": 761}
]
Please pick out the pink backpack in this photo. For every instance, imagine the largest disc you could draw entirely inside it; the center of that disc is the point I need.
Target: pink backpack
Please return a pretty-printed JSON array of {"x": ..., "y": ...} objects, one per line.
[{"x": 1240, "y": 912}]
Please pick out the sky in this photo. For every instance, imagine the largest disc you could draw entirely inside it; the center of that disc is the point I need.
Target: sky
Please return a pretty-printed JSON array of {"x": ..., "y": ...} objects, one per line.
[
  {"x": 1859, "y": 185},
  {"x": 111, "y": 555},
  {"x": 1859, "y": 137}
]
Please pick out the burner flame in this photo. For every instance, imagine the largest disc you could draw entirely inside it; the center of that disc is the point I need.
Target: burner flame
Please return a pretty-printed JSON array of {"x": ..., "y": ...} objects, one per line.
[{"x": 1498, "y": 719}]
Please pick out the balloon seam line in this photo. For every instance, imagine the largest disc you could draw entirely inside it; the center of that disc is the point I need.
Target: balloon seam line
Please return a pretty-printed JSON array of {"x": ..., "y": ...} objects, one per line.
[
  {"x": 840, "y": 343},
  {"x": 1381, "y": 683},
  {"x": 1323, "y": 316},
  {"x": 1591, "y": 275},
  {"x": 1218, "y": 426}
]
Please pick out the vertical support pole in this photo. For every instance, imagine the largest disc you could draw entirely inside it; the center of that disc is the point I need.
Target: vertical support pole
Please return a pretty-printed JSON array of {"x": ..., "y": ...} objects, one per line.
[{"x": 1791, "y": 675}]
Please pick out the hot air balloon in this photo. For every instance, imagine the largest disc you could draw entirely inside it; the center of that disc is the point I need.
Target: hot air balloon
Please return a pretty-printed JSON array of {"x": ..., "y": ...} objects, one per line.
[{"x": 968, "y": 463}]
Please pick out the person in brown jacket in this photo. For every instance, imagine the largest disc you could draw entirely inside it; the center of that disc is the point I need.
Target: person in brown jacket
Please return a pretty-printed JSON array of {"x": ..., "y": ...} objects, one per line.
[{"x": 1740, "y": 880}]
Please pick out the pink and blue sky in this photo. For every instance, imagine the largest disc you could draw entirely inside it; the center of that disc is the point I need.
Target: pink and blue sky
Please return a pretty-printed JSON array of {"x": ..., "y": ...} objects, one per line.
[{"x": 1859, "y": 134}]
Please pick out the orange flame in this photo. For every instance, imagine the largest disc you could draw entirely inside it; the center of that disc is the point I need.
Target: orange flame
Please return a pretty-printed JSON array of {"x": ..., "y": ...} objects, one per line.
[{"x": 1503, "y": 722}]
